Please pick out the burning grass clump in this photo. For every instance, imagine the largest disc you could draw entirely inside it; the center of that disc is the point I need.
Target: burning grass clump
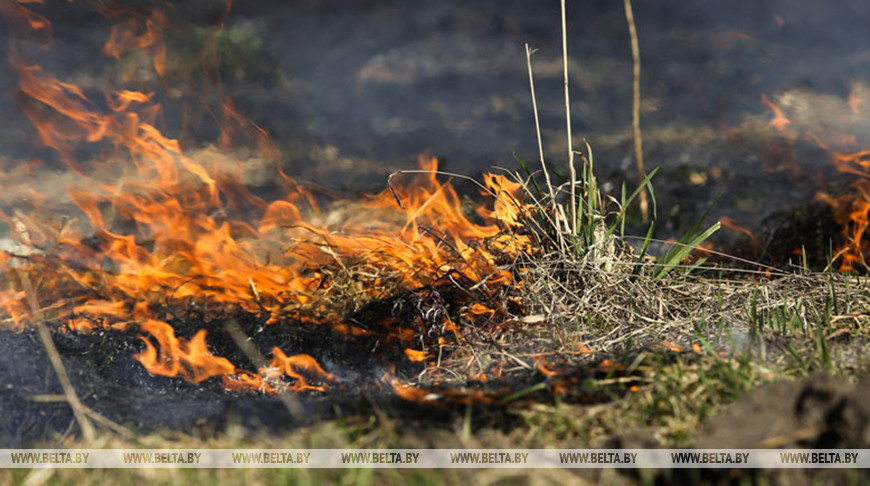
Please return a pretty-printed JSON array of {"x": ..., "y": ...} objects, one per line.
[
  {"x": 585, "y": 290},
  {"x": 590, "y": 296}
]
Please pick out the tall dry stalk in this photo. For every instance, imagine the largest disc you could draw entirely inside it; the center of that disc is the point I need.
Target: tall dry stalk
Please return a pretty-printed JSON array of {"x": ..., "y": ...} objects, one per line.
[
  {"x": 538, "y": 125},
  {"x": 550, "y": 189},
  {"x": 568, "y": 124},
  {"x": 635, "y": 119}
]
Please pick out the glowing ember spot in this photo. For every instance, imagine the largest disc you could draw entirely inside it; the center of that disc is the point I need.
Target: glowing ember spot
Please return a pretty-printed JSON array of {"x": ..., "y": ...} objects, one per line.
[
  {"x": 245, "y": 381},
  {"x": 478, "y": 309},
  {"x": 412, "y": 393},
  {"x": 350, "y": 330},
  {"x": 607, "y": 365},
  {"x": 544, "y": 367},
  {"x": 670, "y": 346}
]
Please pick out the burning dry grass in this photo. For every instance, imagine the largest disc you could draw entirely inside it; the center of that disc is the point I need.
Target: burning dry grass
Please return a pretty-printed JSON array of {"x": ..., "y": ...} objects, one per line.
[
  {"x": 530, "y": 290},
  {"x": 178, "y": 262},
  {"x": 552, "y": 308},
  {"x": 582, "y": 308}
]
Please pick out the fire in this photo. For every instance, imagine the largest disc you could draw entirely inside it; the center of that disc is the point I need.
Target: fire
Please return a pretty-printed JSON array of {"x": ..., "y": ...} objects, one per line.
[
  {"x": 851, "y": 211},
  {"x": 779, "y": 122},
  {"x": 179, "y": 357},
  {"x": 297, "y": 367},
  {"x": 411, "y": 393},
  {"x": 192, "y": 360},
  {"x": 160, "y": 239},
  {"x": 16, "y": 10},
  {"x": 415, "y": 355},
  {"x": 733, "y": 225},
  {"x": 138, "y": 34},
  {"x": 440, "y": 397}
]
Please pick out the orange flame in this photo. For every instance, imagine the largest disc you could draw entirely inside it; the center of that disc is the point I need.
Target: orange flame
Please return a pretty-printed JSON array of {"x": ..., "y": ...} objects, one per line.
[
  {"x": 411, "y": 393},
  {"x": 779, "y": 121},
  {"x": 415, "y": 355},
  {"x": 178, "y": 356},
  {"x": 300, "y": 366},
  {"x": 15, "y": 9},
  {"x": 731, "y": 224},
  {"x": 850, "y": 210},
  {"x": 163, "y": 235},
  {"x": 139, "y": 34}
]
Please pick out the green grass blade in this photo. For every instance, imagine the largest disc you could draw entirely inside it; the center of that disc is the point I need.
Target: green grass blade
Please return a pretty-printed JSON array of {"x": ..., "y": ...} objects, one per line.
[
  {"x": 644, "y": 248},
  {"x": 672, "y": 259},
  {"x": 688, "y": 237},
  {"x": 626, "y": 202}
]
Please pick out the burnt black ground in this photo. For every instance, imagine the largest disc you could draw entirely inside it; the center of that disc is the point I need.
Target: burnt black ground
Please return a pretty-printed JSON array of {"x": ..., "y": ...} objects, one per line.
[
  {"x": 108, "y": 380},
  {"x": 106, "y": 377}
]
